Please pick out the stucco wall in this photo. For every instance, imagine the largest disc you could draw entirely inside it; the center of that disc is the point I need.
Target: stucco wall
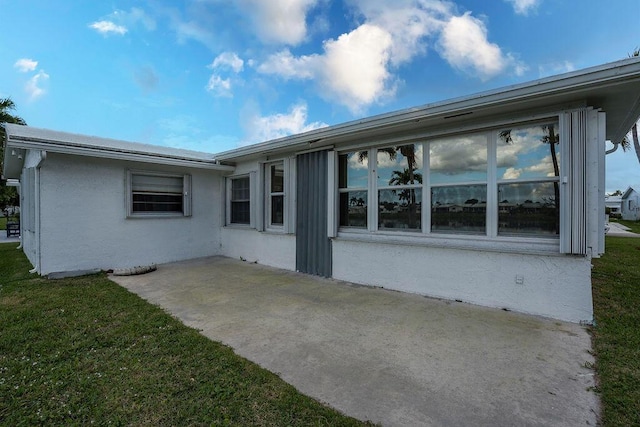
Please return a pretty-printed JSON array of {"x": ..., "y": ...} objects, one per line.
[
  {"x": 273, "y": 249},
  {"x": 84, "y": 223},
  {"x": 553, "y": 286}
]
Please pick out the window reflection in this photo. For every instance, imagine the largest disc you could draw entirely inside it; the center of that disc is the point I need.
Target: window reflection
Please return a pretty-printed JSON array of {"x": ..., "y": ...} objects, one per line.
[
  {"x": 529, "y": 152},
  {"x": 459, "y": 209},
  {"x": 353, "y": 209},
  {"x": 458, "y": 159},
  {"x": 399, "y": 183},
  {"x": 398, "y": 165},
  {"x": 528, "y": 209},
  {"x": 400, "y": 209},
  {"x": 353, "y": 172}
]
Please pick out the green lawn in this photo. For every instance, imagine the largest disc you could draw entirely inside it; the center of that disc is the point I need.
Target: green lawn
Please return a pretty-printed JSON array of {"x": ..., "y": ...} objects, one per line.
[
  {"x": 616, "y": 337},
  {"x": 84, "y": 350},
  {"x": 3, "y": 222}
]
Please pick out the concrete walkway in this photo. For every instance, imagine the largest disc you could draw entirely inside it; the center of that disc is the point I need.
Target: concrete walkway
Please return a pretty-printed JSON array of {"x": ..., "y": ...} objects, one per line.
[
  {"x": 389, "y": 357},
  {"x": 619, "y": 230}
]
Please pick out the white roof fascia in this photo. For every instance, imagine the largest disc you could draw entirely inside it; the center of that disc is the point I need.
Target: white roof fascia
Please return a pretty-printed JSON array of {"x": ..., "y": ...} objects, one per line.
[
  {"x": 17, "y": 139},
  {"x": 612, "y": 73}
]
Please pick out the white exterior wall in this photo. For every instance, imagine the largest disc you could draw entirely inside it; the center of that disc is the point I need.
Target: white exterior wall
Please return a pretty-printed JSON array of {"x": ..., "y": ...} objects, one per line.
[
  {"x": 631, "y": 206},
  {"x": 273, "y": 249},
  {"x": 84, "y": 223},
  {"x": 553, "y": 286}
]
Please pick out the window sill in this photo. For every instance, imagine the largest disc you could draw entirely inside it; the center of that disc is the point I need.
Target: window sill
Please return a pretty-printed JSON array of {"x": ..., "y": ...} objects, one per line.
[
  {"x": 522, "y": 245},
  {"x": 156, "y": 215},
  {"x": 239, "y": 226}
]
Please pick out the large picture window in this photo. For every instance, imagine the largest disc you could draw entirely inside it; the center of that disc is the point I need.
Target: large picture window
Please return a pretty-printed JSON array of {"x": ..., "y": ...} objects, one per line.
[
  {"x": 500, "y": 182},
  {"x": 158, "y": 194}
]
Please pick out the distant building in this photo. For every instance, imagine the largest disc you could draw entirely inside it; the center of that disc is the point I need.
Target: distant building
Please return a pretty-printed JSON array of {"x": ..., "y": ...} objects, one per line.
[
  {"x": 613, "y": 204},
  {"x": 631, "y": 205}
]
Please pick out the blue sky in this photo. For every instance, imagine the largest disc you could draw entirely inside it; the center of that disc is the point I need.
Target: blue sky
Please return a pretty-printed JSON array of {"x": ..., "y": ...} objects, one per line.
[{"x": 212, "y": 75}]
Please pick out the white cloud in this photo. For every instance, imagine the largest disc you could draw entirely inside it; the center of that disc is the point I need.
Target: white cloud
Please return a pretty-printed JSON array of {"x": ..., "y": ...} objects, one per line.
[
  {"x": 555, "y": 68},
  {"x": 279, "y": 21},
  {"x": 285, "y": 65},
  {"x": 352, "y": 71},
  {"x": 512, "y": 173},
  {"x": 34, "y": 86},
  {"x": 108, "y": 27},
  {"x": 264, "y": 128},
  {"x": 228, "y": 60},
  {"x": 25, "y": 65},
  {"x": 357, "y": 69},
  {"x": 408, "y": 22},
  {"x": 463, "y": 43},
  {"x": 219, "y": 86},
  {"x": 133, "y": 17},
  {"x": 523, "y": 7}
]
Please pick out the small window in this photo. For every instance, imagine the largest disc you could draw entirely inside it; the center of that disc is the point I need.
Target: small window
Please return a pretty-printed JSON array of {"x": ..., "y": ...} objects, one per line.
[
  {"x": 240, "y": 201},
  {"x": 155, "y": 194},
  {"x": 275, "y": 193},
  {"x": 353, "y": 184}
]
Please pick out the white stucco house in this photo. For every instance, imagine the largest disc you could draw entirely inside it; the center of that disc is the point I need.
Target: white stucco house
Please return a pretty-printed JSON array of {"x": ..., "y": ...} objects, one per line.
[
  {"x": 630, "y": 205},
  {"x": 495, "y": 199},
  {"x": 613, "y": 204}
]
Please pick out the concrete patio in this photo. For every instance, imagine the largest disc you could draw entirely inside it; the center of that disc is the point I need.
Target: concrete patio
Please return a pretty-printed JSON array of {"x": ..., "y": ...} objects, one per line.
[{"x": 389, "y": 357}]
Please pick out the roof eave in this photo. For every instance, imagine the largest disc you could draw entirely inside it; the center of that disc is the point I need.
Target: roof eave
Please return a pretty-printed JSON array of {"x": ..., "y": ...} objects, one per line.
[{"x": 116, "y": 154}]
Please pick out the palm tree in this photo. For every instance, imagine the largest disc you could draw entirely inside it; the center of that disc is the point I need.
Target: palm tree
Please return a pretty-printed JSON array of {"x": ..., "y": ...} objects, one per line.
[
  {"x": 8, "y": 195},
  {"x": 7, "y": 105}
]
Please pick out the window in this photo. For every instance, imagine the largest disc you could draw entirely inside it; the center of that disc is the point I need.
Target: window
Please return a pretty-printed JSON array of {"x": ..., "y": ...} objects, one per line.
[
  {"x": 158, "y": 194},
  {"x": 458, "y": 178},
  {"x": 501, "y": 182},
  {"x": 399, "y": 185},
  {"x": 528, "y": 175},
  {"x": 352, "y": 188},
  {"x": 240, "y": 204},
  {"x": 275, "y": 192}
]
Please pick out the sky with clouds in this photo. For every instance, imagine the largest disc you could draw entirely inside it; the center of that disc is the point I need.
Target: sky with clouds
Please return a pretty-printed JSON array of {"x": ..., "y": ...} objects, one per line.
[{"x": 212, "y": 75}]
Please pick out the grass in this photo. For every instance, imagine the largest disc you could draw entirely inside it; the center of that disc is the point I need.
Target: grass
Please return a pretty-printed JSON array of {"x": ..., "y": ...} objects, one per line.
[
  {"x": 3, "y": 222},
  {"x": 616, "y": 337},
  {"x": 86, "y": 351}
]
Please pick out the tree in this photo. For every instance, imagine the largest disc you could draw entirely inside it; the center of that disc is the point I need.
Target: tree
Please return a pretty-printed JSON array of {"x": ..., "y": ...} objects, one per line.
[{"x": 8, "y": 195}]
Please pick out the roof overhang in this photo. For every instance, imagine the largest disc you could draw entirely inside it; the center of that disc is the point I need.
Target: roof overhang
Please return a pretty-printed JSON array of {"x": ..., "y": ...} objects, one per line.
[
  {"x": 613, "y": 88},
  {"x": 21, "y": 138}
]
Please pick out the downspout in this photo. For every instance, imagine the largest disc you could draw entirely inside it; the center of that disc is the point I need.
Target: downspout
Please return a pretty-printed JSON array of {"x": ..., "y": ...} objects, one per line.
[
  {"x": 36, "y": 189},
  {"x": 615, "y": 147}
]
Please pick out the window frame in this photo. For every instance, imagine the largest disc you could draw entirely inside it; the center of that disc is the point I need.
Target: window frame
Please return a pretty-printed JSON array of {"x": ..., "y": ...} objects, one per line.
[
  {"x": 229, "y": 200},
  {"x": 270, "y": 194},
  {"x": 491, "y": 235},
  {"x": 186, "y": 195}
]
